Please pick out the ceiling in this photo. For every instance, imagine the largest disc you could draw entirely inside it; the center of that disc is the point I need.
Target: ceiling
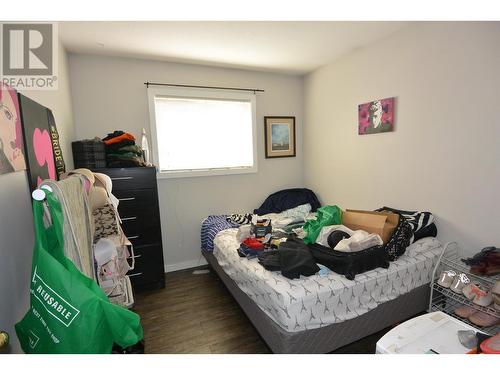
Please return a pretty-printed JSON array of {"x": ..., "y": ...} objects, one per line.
[{"x": 286, "y": 47}]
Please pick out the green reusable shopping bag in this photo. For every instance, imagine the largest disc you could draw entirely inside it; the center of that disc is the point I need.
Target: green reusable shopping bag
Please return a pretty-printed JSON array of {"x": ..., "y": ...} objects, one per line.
[
  {"x": 69, "y": 313},
  {"x": 327, "y": 215}
]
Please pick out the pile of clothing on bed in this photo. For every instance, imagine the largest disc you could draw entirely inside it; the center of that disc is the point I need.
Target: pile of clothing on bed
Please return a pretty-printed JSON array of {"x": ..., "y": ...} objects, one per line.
[
  {"x": 276, "y": 207},
  {"x": 293, "y": 234},
  {"x": 121, "y": 150}
]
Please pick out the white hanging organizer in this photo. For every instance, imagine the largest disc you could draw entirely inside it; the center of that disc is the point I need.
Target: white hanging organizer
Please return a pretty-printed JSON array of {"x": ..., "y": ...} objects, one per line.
[{"x": 126, "y": 295}]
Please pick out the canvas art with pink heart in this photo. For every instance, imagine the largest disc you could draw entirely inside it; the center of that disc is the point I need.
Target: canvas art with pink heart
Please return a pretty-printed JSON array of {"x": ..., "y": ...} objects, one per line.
[
  {"x": 376, "y": 116},
  {"x": 39, "y": 141}
]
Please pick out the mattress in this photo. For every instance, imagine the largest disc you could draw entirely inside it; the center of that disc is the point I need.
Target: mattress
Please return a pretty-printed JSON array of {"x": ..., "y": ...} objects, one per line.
[{"x": 316, "y": 301}]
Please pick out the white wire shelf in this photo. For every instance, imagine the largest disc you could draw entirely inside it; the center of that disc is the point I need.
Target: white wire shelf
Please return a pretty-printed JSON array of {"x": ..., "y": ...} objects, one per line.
[
  {"x": 446, "y": 300},
  {"x": 444, "y": 303},
  {"x": 455, "y": 263},
  {"x": 462, "y": 300}
]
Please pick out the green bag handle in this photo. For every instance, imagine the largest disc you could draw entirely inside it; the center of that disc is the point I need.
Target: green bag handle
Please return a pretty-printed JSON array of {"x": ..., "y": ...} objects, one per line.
[
  {"x": 123, "y": 324},
  {"x": 52, "y": 236}
]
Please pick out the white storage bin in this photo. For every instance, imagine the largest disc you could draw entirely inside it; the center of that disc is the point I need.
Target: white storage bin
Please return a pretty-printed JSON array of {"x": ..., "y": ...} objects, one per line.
[{"x": 435, "y": 332}]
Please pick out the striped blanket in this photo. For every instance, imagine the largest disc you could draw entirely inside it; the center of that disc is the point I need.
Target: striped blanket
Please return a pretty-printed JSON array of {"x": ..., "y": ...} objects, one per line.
[{"x": 212, "y": 225}]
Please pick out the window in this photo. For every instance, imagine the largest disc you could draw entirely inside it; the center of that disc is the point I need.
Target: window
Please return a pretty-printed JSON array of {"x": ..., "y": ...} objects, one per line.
[{"x": 199, "y": 132}]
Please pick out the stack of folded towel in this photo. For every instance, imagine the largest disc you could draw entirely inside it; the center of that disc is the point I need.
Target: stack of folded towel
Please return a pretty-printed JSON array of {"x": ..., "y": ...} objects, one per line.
[{"x": 121, "y": 150}]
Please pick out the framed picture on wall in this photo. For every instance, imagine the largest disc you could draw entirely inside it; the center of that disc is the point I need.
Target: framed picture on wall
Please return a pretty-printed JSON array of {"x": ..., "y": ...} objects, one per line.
[
  {"x": 280, "y": 136},
  {"x": 376, "y": 117}
]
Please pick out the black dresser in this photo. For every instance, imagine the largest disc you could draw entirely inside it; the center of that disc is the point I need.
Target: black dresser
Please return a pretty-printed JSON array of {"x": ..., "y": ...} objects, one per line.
[{"x": 138, "y": 194}]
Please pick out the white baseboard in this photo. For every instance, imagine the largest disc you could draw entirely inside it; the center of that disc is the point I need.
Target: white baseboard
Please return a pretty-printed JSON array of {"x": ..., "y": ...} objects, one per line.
[{"x": 185, "y": 265}]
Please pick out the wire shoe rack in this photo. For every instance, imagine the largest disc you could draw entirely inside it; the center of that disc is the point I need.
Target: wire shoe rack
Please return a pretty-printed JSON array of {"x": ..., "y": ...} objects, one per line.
[{"x": 446, "y": 300}]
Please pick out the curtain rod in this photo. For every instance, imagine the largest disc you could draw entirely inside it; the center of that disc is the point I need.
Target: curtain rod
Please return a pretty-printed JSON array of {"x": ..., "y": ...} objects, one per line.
[{"x": 202, "y": 87}]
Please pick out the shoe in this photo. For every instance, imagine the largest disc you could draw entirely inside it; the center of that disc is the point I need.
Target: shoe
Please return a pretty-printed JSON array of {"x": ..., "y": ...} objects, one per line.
[
  {"x": 467, "y": 338},
  {"x": 482, "y": 298},
  {"x": 496, "y": 301},
  {"x": 496, "y": 295},
  {"x": 483, "y": 319},
  {"x": 481, "y": 256},
  {"x": 477, "y": 294},
  {"x": 459, "y": 282},
  {"x": 465, "y": 311},
  {"x": 492, "y": 264},
  {"x": 492, "y": 270},
  {"x": 491, "y": 345},
  {"x": 446, "y": 278},
  {"x": 470, "y": 290},
  {"x": 486, "y": 262}
]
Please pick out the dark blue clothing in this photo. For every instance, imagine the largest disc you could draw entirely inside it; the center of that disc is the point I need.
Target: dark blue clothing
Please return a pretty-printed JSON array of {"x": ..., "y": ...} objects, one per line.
[{"x": 289, "y": 198}]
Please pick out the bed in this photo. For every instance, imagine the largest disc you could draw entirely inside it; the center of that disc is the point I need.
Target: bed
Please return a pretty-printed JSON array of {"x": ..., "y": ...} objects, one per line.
[
  {"x": 319, "y": 314},
  {"x": 325, "y": 311}
]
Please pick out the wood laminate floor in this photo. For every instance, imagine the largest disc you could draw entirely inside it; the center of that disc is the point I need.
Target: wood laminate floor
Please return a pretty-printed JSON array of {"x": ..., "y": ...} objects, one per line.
[{"x": 197, "y": 314}]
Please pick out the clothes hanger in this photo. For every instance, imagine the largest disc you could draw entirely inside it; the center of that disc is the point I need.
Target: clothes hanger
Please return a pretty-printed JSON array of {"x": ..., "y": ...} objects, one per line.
[{"x": 40, "y": 195}]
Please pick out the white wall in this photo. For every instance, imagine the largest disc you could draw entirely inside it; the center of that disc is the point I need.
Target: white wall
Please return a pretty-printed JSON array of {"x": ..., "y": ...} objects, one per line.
[
  {"x": 444, "y": 155},
  {"x": 109, "y": 93},
  {"x": 16, "y": 220},
  {"x": 59, "y": 101}
]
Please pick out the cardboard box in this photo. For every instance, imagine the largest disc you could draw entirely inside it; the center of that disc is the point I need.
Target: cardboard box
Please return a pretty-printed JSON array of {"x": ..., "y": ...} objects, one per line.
[{"x": 381, "y": 223}]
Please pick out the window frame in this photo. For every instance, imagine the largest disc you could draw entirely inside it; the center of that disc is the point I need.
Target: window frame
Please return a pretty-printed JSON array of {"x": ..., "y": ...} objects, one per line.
[{"x": 195, "y": 93}]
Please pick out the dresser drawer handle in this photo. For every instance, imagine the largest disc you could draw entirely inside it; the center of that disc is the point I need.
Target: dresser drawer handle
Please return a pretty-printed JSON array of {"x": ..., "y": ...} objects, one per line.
[
  {"x": 122, "y": 178},
  {"x": 126, "y": 199},
  {"x": 132, "y": 237},
  {"x": 135, "y": 274},
  {"x": 129, "y": 218}
]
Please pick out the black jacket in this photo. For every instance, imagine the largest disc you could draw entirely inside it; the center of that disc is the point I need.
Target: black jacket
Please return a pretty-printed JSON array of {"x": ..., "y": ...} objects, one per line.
[{"x": 293, "y": 259}]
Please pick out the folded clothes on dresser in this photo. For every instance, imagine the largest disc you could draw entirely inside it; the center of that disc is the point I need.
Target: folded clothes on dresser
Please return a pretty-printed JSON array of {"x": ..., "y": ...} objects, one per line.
[{"x": 121, "y": 150}]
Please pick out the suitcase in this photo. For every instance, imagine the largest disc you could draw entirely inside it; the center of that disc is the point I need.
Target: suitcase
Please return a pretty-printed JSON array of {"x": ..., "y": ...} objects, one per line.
[{"x": 350, "y": 264}]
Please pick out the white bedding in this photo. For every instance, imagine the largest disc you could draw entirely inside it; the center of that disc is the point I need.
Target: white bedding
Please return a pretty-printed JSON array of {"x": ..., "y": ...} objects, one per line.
[{"x": 316, "y": 301}]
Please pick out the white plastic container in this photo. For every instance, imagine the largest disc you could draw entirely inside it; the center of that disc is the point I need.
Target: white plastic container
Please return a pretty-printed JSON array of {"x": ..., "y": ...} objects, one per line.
[
  {"x": 145, "y": 146},
  {"x": 434, "y": 332}
]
